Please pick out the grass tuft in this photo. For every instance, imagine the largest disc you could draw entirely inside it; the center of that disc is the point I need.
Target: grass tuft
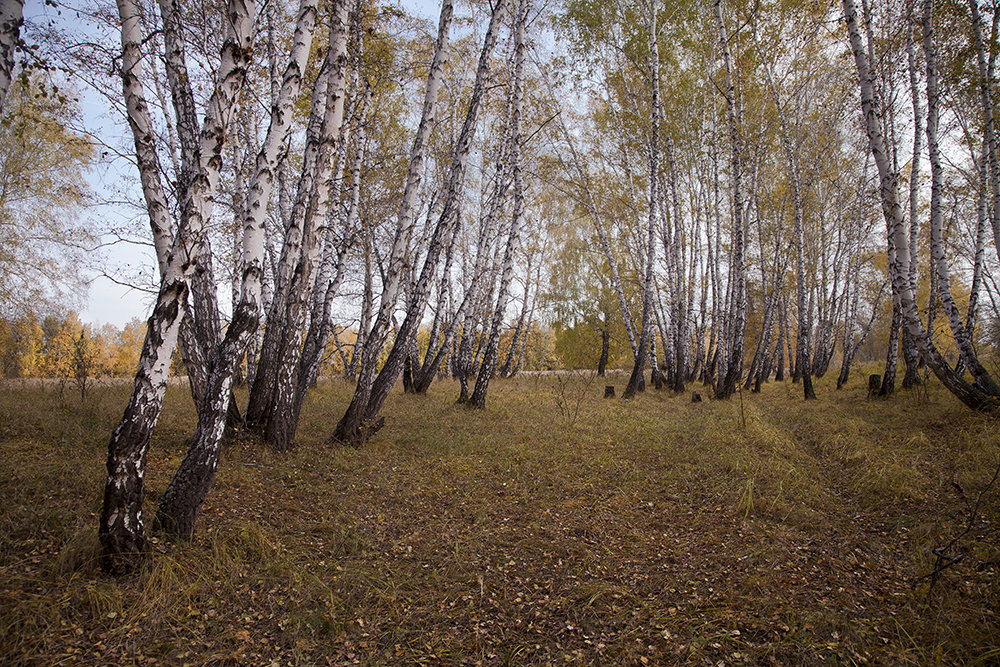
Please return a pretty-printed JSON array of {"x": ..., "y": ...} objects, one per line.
[{"x": 555, "y": 527}]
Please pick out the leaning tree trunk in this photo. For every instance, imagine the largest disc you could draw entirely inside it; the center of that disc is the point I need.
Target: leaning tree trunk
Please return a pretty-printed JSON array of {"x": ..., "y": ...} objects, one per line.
[
  {"x": 979, "y": 373},
  {"x": 979, "y": 255},
  {"x": 182, "y": 501},
  {"x": 515, "y": 341},
  {"x": 361, "y": 419},
  {"x": 200, "y": 331},
  {"x": 262, "y": 390},
  {"x": 970, "y": 395},
  {"x": 476, "y": 291},
  {"x": 986, "y": 100},
  {"x": 489, "y": 362},
  {"x": 122, "y": 530},
  {"x": 331, "y": 277},
  {"x": 374, "y": 339}
]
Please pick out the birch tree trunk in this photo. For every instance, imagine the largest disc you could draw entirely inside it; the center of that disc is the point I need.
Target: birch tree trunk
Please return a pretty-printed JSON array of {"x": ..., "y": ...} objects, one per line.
[
  {"x": 508, "y": 364},
  {"x": 332, "y": 274},
  {"x": 362, "y": 418},
  {"x": 489, "y": 362},
  {"x": 282, "y": 422},
  {"x": 970, "y": 395},
  {"x": 638, "y": 367},
  {"x": 11, "y": 18},
  {"x": 910, "y": 355},
  {"x": 261, "y": 401},
  {"x": 941, "y": 270},
  {"x": 182, "y": 501},
  {"x": 791, "y": 162},
  {"x": 726, "y": 385},
  {"x": 200, "y": 333},
  {"x": 478, "y": 294},
  {"x": 989, "y": 120},
  {"x": 122, "y": 530},
  {"x": 374, "y": 340}
]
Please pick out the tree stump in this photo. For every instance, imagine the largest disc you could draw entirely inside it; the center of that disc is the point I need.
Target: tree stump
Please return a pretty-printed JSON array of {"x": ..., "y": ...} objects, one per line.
[
  {"x": 696, "y": 397},
  {"x": 874, "y": 385},
  {"x": 609, "y": 391}
]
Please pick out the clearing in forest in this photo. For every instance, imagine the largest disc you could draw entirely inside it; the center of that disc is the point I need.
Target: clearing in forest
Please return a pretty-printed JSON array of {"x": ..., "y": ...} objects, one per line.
[{"x": 554, "y": 527}]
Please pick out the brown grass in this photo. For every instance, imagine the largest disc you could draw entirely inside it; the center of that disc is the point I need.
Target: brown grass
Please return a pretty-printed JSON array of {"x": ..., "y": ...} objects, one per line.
[{"x": 655, "y": 531}]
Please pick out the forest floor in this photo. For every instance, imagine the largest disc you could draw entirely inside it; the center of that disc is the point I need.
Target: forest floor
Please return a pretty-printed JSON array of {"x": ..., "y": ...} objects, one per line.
[{"x": 556, "y": 527}]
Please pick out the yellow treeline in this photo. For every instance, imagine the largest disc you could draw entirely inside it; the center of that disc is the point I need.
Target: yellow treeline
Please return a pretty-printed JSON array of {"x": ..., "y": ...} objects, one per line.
[{"x": 61, "y": 346}]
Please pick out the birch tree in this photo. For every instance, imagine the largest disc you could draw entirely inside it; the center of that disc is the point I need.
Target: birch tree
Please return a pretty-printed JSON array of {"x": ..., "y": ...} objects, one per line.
[
  {"x": 362, "y": 417},
  {"x": 122, "y": 529},
  {"x": 182, "y": 501},
  {"x": 489, "y": 362},
  {"x": 351, "y": 429},
  {"x": 11, "y": 18},
  {"x": 970, "y": 394}
]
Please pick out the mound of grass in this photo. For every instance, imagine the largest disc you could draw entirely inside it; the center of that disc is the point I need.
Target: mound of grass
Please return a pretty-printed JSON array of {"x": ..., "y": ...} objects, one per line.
[{"x": 556, "y": 526}]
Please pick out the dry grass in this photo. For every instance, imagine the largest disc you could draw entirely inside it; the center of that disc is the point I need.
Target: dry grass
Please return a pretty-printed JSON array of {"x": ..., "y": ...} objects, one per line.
[{"x": 556, "y": 527}]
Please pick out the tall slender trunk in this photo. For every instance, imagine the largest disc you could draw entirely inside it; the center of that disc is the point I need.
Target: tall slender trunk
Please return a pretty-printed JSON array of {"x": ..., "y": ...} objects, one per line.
[
  {"x": 181, "y": 502},
  {"x": 515, "y": 341},
  {"x": 970, "y": 395},
  {"x": 489, "y": 362},
  {"x": 727, "y": 382},
  {"x": 633, "y": 385},
  {"x": 263, "y": 388},
  {"x": 282, "y": 422},
  {"x": 122, "y": 530},
  {"x": 802, "y": 365},
  {"x": 938, "y": 255},
  {"x": 910, "y": 355},
  {"x": 362, "y": 418},
  {"x": 375, "y": 338},
  {"x": 986, "y": 101}
]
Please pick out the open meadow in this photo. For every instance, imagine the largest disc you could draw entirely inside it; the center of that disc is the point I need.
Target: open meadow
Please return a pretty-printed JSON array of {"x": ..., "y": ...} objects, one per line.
[{"x": 554, "y": 528}]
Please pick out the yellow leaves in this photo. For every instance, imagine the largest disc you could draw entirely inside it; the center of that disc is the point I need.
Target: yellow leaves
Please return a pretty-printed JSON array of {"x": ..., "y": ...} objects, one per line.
[{"x": 61, "y": 346}]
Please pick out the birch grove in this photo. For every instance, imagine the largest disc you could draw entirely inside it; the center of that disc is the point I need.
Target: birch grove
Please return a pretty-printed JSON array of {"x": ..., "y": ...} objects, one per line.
[{"x": 683, "y": 195}]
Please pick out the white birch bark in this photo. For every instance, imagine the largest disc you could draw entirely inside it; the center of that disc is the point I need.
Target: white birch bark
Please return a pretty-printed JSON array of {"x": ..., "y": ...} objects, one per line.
[
  {"x": 122, "y": 530},
  {"x": 989, "y": 120},
  {"x": 804, "y": 325},
  {"x": 489, "y": 362},
  {"x": 362, "y": 419},
  {"x": 182, "y": 501},
  {"x": 635, "y": 380},
  {"x": 910, "y": 354},
  {"x": 406, "y": 218},
  {"x": 11, "y": 18},
  {"x": 374, "y": 339},
  {"x": 282, "y": 421},
  {"x": 893, "y": 213},
  {"x": 262, "y": 390},
  {"x": 938, "y": 256},
  {"x": 737, "y": 322}
]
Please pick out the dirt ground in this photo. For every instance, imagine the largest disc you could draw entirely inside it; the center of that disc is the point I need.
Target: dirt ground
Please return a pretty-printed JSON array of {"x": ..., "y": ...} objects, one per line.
[{"x": 556, "y": 527}]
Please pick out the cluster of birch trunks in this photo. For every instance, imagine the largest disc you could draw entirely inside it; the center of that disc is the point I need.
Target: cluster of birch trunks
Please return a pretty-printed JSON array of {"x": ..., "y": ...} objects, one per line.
[{"x": 681, "y": 282}]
